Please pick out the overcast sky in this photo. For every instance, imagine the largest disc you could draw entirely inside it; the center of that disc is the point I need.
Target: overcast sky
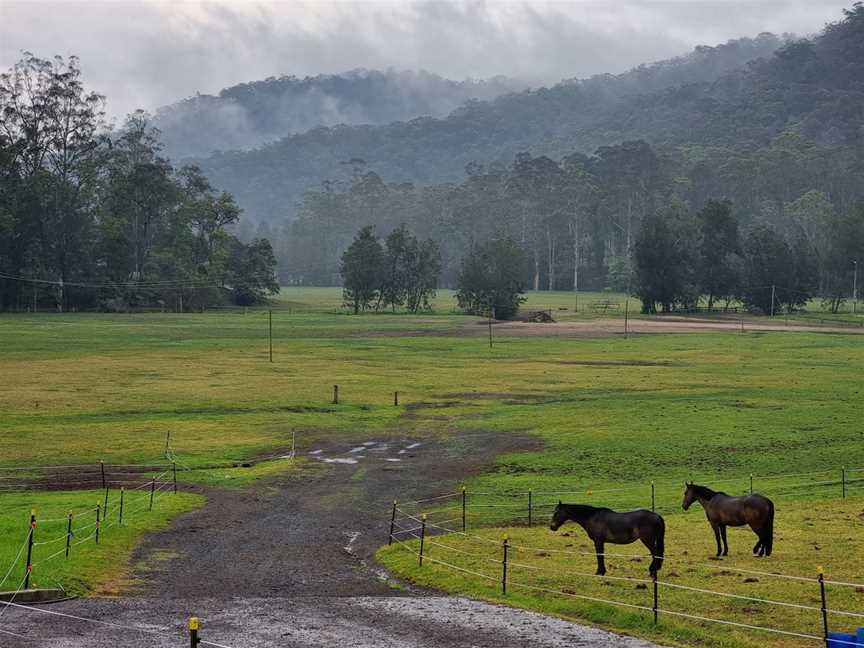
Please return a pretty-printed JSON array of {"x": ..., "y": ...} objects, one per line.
[{"x": 146, "y": 54}]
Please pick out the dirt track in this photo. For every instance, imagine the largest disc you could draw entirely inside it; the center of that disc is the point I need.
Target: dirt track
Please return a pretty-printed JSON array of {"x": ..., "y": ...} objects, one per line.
[
  {"x": 648, "y": 326},
  {"x": 290, "y": 564}
]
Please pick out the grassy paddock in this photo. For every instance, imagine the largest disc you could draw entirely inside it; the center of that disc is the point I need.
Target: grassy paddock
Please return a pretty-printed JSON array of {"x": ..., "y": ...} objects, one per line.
[
  {"x": 102, "y": 568},
  {"x": 598, "y": 414},
  {"x": 806, "y": 538}
]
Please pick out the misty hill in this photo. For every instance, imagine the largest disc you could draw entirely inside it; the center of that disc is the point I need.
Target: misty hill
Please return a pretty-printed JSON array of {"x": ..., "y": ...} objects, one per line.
[
  {"x": 553, "y": 121},
  {"x": 251, "y": 114}
]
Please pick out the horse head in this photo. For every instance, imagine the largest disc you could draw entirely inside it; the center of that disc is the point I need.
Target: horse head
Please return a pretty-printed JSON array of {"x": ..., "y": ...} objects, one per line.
[
  {"x": 689, "y": 495},
  {"x": 559, "y": 517}
]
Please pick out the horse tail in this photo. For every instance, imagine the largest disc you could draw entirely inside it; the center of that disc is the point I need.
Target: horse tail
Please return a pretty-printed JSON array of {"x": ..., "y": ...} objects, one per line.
[
  {"x": 659, "y": 547},
  {"x": 769, "y": 530}
]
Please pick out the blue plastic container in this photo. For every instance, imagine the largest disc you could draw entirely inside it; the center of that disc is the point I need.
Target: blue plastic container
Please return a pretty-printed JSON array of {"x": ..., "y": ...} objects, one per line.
[
  {"x": 861, "y": 637},
  {"x": 841, "y": 640}
]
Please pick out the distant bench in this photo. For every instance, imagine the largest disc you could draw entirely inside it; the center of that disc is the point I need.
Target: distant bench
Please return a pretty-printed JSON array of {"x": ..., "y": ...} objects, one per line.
[{"x": 604, "y": 305}]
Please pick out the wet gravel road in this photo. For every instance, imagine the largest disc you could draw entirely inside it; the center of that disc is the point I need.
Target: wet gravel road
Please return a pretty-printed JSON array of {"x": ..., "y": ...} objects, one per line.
[{"x": 289, "y": 563}]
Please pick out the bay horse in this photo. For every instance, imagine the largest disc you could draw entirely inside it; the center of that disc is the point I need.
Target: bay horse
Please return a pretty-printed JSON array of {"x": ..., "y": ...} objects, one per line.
[
  {"x": 723, "y": 510},
  {"x": 605, "y": 525}
]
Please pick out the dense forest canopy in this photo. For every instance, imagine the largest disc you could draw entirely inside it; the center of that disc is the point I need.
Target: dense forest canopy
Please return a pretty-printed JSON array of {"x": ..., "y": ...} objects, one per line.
[{"x": 251, "y": 114}]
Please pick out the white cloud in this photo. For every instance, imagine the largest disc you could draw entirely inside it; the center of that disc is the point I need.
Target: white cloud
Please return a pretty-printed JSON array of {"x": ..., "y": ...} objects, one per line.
[{"x": 145, "y": 54}]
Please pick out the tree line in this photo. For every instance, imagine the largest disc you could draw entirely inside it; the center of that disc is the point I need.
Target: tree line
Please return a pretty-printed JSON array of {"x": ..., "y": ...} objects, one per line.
[{"x": 97, "y": 219}]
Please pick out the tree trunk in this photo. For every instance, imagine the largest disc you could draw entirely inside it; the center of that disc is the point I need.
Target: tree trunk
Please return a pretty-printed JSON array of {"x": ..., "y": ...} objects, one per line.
[
  {"x": 536, "y": 270},
  {"x": 574, "y": 229},
  {"x": 551, "y": 245}
]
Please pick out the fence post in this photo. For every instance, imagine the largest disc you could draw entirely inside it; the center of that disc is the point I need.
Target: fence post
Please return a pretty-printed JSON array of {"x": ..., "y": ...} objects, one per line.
[
  {"x": 105, "y": 507},
  {"x": 102, "y": 467},
  {"x": 29, "y": 567},
  {"x": 653, "y": 496},
  {"x": 422, "y": 537},
  {"x": 392, "y": 524},
  {"x": 122, "y": 492},
  {"x": 824, "y": 603},
  {"x": 751, "y": 483},
  {"x": 654, "y": 578},
  {"x": 152, "y": 491},
  {"x": 98, "y": 521},
  {"x": 505, "y": 546},
  {"x": 174, "y": 470},
  {"x": 530, "y": 508},
  {"x": 68, "y": 534},
  {"x": 395, "y": 399},
  {"x": 335, "y": 394},
  {"x": 193, "y": 632},
  {"x": 464, "y": 500},
  {"x": 844, "y": 481}
]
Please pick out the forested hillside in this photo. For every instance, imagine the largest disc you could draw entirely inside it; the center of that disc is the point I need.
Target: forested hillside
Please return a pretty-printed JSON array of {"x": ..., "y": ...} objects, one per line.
[
  {"x": 251, "y": 114},
  {"x": 783, "y": 147},
  {"x": 571, "y": 116}
]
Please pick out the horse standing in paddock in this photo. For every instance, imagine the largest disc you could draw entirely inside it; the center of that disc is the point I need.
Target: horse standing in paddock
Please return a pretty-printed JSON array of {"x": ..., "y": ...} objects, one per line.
[
  {"x": 605, "y": 525},
  {"x": 724, "y": 510}
]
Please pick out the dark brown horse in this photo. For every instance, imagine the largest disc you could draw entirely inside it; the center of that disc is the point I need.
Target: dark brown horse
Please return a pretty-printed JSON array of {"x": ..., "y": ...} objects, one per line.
[
  {"x": 605, "y": 525},
  {"x": 724, "y": 510}
]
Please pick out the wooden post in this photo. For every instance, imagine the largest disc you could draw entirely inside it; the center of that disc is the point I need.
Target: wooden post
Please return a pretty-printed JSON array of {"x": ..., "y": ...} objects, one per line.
[
  {"x": 464, "y": 502},
  {"x": 193, "y": 632},
  {"x": 824, "y": 604},
  {"x": 335, "y": 394},
  {"x": 68, "y": 534},
  {"x": 422, "y": 537},
  {"x": 29, "y": 566},
  {"x": 505, "y": 546},
  {"x": 392, "y": 524}
]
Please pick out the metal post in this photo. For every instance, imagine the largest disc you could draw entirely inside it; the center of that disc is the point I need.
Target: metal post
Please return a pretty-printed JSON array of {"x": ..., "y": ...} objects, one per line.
[
  {"x": 168, "y": 444},
  {"x": 105, "y": 506},
  {"x": 854, "y": 287},
  {"x": 193, "y": 632},
  {"x": 654, "y": 578},
  {"x": 122, "y": 492},
  {"x": 751, "y": 483},
  {"x": 102, "y": 466},
  {"x": 772, "y": 300},
  {"x": 422, "y": 537},
  {"x": 335, "y": 394},
  {"x": 174, "y": 470},
  {"x": 824, "y": 604},
  {"x": 392, "y": 524},
  {"x": 152, "y": 491},
  {"x": 270, "y": 319},
  {"x": 506, "y": 546},
  {"x": 98, "y": 521},
  {"x": 29, "y": 567},
  {"x": 68, "y": 534},
  {"x": 395, "y": 399},
  {"x": 464, "y": 502},
  {"x": 530, "y": 508}
]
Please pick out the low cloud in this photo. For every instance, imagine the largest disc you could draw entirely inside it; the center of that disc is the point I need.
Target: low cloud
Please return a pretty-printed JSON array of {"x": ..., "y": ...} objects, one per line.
[{"x": 146, "y": 54}]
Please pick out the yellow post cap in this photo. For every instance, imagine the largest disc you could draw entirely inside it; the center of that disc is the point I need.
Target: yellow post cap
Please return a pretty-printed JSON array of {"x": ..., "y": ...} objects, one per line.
[
  {"x": 820, "y": 570},
  {"x": 423, "y": 517},
  {"x": 193, "y": 623},
  {"x": 589, "y": 493},
  {"x": 506, "y": 537}
]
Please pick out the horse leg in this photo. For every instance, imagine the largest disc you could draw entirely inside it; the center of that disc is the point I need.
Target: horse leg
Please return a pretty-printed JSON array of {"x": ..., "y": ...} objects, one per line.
[
  {"x": 759, "y": 547},
  {"x": 652, "y": 569},
  {"x": 601, "y": 564},
  {"x": 716, "y": 528},
  {"x": 723, "y": 536}
]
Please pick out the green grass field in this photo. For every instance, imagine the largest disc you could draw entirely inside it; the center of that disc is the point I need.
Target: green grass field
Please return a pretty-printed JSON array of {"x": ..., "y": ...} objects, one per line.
[{"x": 605, "y": 413}]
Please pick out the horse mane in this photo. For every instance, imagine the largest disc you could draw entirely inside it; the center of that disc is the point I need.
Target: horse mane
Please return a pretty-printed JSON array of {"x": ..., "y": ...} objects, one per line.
[{"x": 705, "y": 492}]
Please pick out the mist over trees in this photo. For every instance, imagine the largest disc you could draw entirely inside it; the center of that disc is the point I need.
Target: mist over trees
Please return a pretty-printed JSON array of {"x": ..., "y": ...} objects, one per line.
[{"x": 87, "y": 221}]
